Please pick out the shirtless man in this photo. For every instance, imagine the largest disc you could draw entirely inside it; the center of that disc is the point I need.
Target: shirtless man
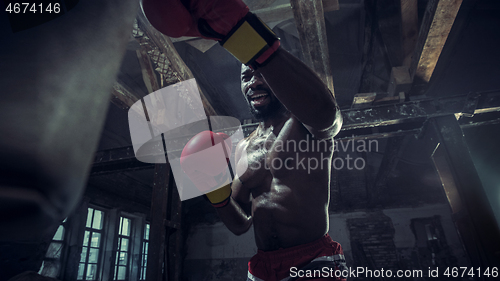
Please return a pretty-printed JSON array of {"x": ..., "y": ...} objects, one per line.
[
  {"x": 284, "y": 198},
  {"x": 275, "y": 187}
]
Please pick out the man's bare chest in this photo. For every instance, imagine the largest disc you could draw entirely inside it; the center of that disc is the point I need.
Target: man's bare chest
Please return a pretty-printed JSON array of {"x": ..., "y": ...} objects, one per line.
[
  {"x": 277, "y": 158},
  {"x": 259, "y": 152},
  {"x": 289, "y": 152}
]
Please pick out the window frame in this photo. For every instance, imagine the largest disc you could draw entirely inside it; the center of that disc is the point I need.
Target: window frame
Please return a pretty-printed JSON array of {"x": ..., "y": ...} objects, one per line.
[
  {"x": 74, "y": 237},
  {"x": 144, "y": 251},
  {"x": 117, "y": 249},
  {"x": 92, "y": 230}
]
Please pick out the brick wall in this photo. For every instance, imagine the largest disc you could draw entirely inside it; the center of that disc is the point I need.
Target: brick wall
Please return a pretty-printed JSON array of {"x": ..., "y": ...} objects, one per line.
[{"x": 372, "y": 242}]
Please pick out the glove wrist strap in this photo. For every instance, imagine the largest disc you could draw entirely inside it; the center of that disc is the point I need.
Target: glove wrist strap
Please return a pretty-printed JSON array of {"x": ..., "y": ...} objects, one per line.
[
  {"x": 221, "y": 196},
  {"x": 223, "y": 203},
  {"x": 251, "y": 41}
]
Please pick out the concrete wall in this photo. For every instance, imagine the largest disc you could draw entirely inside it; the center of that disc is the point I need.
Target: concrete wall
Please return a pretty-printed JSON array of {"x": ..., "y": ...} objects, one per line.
[
  {"x": 384, "y": 236},
  {"x": 215, "y": 253}
]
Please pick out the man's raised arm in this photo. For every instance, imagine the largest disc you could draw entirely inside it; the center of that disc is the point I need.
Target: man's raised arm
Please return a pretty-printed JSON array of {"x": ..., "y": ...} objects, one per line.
[
  {"x": 303, "y": 93},
  {"x": 253, "y": 43}
]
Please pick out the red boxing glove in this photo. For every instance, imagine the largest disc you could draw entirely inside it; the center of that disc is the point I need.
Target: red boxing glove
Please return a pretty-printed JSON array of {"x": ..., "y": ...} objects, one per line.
[
  {"x": 170, "y": 17},
  {"x": 177, "y": 18},
  {"x": 242, "y": 33},
  {"x": 205, "y": 162}
]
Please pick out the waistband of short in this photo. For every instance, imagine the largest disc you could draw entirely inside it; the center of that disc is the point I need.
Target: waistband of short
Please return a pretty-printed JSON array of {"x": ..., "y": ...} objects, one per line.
[{"x": 297, "y": 251}]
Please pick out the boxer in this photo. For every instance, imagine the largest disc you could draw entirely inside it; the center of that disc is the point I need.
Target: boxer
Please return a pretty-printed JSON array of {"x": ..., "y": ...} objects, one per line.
[{"x": 273, "y": 189}]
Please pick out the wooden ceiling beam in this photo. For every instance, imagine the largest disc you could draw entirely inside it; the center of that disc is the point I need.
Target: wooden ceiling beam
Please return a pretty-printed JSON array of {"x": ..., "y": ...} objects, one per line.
[
  {"x": 409, "y": 28},
  {"x": 436, "y": 26},
  {"x": 122, "y": 96},
  {"x": 379, "y": 121},
  {"x": 310, "y": 22},
  {"x": 400, "y": 80},
  {"x": 148, "y": 71},
  {"x": 389, "y": 24}
]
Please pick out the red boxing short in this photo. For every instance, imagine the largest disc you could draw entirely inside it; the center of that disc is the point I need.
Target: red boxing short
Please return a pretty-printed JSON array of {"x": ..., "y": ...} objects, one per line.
[{"x": 322, "y": 259}]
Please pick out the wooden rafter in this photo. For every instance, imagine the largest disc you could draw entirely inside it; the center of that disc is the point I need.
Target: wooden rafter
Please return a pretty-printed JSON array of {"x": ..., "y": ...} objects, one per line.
[
  {"x": 389, "y": 23},
  {"x": 400, "y": 81},
  {"x": 409, "y": 28},
  {"x": 406, "y": 32},
  {"x": 436, "y": 26},
  {"x": 122, "y": 96},
  {"x": 310, "y": 21},
  {"x": 389, "y": 120},
  {"x": 148, "y": 72}
]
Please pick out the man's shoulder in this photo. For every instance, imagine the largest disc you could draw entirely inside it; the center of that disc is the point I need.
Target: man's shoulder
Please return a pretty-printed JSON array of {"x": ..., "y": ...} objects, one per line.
[{"x": 324, "y": 133}]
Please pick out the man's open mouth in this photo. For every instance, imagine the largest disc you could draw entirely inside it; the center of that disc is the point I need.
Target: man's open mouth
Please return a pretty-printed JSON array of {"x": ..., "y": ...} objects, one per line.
[{"x": 259, "y": 99}]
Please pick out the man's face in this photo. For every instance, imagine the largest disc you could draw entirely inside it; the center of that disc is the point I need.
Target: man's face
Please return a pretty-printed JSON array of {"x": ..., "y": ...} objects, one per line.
[{"x": 261, "y": 99}]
